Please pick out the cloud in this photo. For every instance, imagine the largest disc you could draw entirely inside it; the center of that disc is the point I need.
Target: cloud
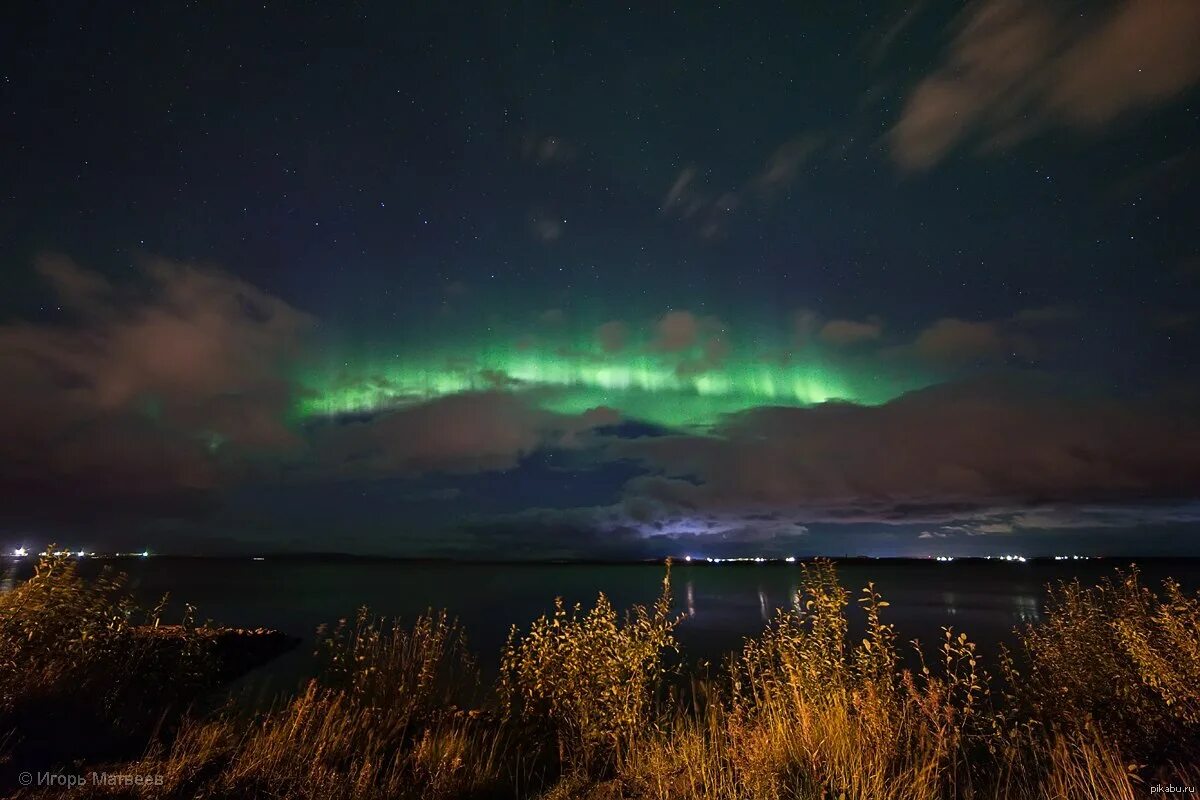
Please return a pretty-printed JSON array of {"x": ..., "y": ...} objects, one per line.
[
  {"x": 942, "y": 453},
  {"x": 700, "y": 342},
  {"x": 692, "y": 198},
  {"x": 1015, "y": 68},
  {"x": 783, "y": 166},
  {"x": 845, "y": 332},
  {"x": 676, "y": 331},
  {"x": 879, "y": 45},
  {"x": 678, "y": 193},
  {"x": 148, "y": 388},
  {"x": 959, "y": 342},
  {"x": 613, "y": 336},
  {"x": 628, "y": 530},
  {"x": 467, "y": 432},
  {"x": 1029, "y": 334}
]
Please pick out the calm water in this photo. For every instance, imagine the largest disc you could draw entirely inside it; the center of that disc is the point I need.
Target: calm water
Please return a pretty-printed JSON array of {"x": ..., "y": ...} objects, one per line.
[{"x": 720, "y": 604}]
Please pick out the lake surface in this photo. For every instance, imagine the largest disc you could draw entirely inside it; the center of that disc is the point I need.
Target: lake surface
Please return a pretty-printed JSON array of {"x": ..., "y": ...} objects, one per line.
[{"x": 721, "y": 604}]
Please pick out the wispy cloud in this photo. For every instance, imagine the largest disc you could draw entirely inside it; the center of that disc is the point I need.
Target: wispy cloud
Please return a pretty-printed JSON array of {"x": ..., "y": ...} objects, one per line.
[{"x": 1015, "y": 68}]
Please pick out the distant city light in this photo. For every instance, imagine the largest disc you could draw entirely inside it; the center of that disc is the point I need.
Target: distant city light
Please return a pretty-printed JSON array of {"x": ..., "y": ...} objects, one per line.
[{"x": 20, "y": 552}]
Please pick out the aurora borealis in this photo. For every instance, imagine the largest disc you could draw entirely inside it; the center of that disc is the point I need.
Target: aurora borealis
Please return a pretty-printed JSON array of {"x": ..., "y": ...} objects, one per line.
[
  {"x": 663, "y": 388},
  {"x": 584, "y": 281}
]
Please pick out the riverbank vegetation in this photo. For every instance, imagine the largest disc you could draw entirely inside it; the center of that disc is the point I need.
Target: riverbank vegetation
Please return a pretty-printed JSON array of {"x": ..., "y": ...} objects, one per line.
[{"x": 1099, "y": 700}]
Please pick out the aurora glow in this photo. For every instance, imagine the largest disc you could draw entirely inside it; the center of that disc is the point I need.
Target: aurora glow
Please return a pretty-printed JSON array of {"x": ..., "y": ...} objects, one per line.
[{"x": 663, "y": 388}]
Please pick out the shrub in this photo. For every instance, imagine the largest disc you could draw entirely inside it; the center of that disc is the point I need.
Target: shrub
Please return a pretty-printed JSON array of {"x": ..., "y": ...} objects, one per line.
[
  {"x": 1119, "y": 658},
  {"x": 589, "y": 679},
  {"x": 78, "y": 672}
]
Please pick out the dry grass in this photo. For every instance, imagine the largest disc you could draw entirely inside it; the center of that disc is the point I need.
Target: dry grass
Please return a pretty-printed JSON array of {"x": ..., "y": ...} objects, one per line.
[
  {"x": 380, "y": 721},
  {"x": 1119, "y": 658},
  {"x": 1098, "y": 702},
  {"x": 78, "y": 675}
]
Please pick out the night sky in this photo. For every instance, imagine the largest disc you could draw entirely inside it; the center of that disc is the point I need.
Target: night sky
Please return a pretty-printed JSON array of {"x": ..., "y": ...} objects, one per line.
[{"x": 551, "y": 280}]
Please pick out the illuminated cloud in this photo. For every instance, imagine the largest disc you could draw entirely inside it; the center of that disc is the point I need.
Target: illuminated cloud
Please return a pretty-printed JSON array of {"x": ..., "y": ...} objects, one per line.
[
  {"x": 466, "y": 432},
  {"x": 1027, "y": 335},
  {"x": 145, "y": 388},
  {"x": 1015, "y": 68},
  {"x": 939, "y": 453},
  {"x": 956, "y": 341}
]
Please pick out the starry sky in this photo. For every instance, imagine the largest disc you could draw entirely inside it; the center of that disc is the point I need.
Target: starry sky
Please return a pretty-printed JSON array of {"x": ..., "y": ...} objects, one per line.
[{"x": 580, "y": 280}]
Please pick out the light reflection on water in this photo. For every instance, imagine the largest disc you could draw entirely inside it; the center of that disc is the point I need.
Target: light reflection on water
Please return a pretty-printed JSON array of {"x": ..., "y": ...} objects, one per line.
[
  {"x": 950, "y": 602},
  {"x": 1028, "y": 608}
]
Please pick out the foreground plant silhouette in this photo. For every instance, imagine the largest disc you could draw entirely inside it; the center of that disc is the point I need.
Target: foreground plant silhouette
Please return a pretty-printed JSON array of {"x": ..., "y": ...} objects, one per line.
[{"x": 1098, "y": 701}]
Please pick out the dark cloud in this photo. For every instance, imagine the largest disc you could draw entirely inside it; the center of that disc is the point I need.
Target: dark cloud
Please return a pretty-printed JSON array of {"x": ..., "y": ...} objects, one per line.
[
  {"x": 468, "y": 432},
  {"x": 939, "y": 453},
  {"x": 142, "y": 389},
  {"x": 1016, "y": 67}
]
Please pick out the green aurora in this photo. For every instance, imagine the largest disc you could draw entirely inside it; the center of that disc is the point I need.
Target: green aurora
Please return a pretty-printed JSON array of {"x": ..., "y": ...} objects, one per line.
[{"x": 677, "y": 389}]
